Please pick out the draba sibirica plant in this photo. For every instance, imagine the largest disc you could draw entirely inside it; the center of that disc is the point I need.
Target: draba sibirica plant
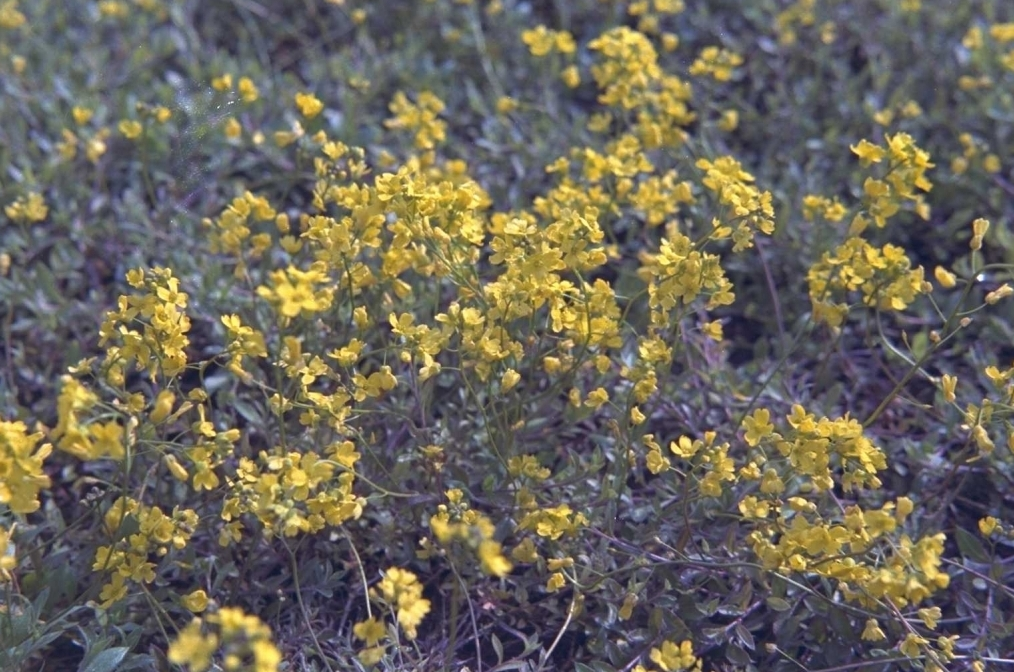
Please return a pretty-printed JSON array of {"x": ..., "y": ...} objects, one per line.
[{"x": 599, "y": 335}]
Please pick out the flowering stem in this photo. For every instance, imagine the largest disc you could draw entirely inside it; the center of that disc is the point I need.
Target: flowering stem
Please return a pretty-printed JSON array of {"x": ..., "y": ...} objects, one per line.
[{"x": 302, "y": 607}]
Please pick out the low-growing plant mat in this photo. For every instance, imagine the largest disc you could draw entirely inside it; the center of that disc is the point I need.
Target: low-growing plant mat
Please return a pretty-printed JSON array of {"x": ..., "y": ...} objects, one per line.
[{"x": 597, "y": 335}]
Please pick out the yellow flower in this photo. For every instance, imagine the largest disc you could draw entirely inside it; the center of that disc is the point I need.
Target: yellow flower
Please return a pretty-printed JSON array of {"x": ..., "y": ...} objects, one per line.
[
  {"x": 82, "y": 115},
  {"x": 930, "y": 617},
  {"x": 402, "y": 590},
  {"x": 949, "y": 384},
  {"x": 945, "y": 277},
  {"x": 673, "y": 658},
  {"x": 21, "y": 461},
  {"x": 867, "y": 152},
  {"x": 509, "y": 379},
  {"x": 656, "y": 462},
  {"x": 912, "y": 644},
  {"x": 751, "y": 507},
  {"x": 539, "y": 40},
  {"x": 247, "y": 90},
  {"x": 162, "y": 407},
  {"x": 308, "y": 104},
  {"x": 987, "y": 525},
  {"x": 10, "y": 16},
  {"x": 492, "y": 560},
  {"x": 108, "y": 440},
  {"x": 712, "y": 330},
  {"x": 596, "y": 397},
  {"x": 729, "y": 120},
  {"x": 872, "y": 631},
  {"x": 556, "y": 582},
  {"x": 131, "y": 128},
  {"x": 1002, "y": 32},
  {"x": 571, "y": 77},
  {"x": 197, "y": 601},
  {"x": 176, "y": 469},
  {"x": 1001, "y": 292},
  {"x": 222, "y": 82},
  {"x": 373, "y": 654},
  {"x": 506, "y": 105},
  {"x": 525, "y": 551},
  {"x": 982, "y": 440},
  {"x": 193, "y": 648},
  {"x": 30, "y": 208},
  {"x": 232, "y": 128},
  {"x": 627, "y": 608},
  {"x": 718, "y": 63},
  {"x": 370, "y": 631},
  {"x": 979, "y": 228},
  {"x": 758, "y": 426}
]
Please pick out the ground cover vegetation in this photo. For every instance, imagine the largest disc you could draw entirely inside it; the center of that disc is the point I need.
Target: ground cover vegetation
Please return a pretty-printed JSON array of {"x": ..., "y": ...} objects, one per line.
[{"x": 442, "y": 335}]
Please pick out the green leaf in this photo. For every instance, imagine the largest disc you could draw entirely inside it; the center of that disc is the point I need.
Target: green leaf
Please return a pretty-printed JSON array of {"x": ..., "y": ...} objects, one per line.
[
  {"x": 745, "y": 636},
  {"x": 737, "y": 655},
  {"x": 598, "y": 666},
  {"x": 248, "y": 412},
  {"x": 106, "y": 661},
  {"x": 778, "y": 604},
  {"x": 498, "y": 647},
  {"x": 970, "y": 546}
]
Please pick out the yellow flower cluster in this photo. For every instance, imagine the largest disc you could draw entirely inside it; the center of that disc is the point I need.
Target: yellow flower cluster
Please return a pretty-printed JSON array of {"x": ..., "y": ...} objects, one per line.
[
  {"x": 815, "y": 205},
  {"x": 292, "y": 493},
  {"x": 10, "y": 16},
  {"x": 906, "y": 173},
  {"x": 138, "y": 531},
  {"x": 309, "y": 105},
  {"x": 883, "y": 275},
  {"x": 812, "y": 447},
  {"x": 975, "y": 152},
  {"x": 553, "y": 522},
  {"x": 230, "y": 232},
  {"x": 458, "y": 522},
  {"x": 159, "y": 346},
  {"x": 27, "y": 209},
  {"x": 629, "y": 77},
  {"x": 799, "y": 14},
  {"x": 542, "y": 41},
  {"x": 817, "y": 453},
  {"x": 94, "y": 144},
  {"x": 245, "y": 87},
  {"x": 672, "y": 657},
  {"x": 242, "y": 642},
  {"x": 677, "y": 274},
  {"x": 83, "y": 440},
  {"x": 402, "y": 592},
  {"x": 21, "y": 459},
  {"x": 650, "y": 14},
  {"x": 293, "y": 292},
  {"x": 717, "y": 63},
  {"x": 419, "y": 117},
  {"x": 1001, "y": 34},
  {"x": 243, "y": 341},
  {"x": 749, "y": 208},
  {"x": 901, "y": 570}
]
